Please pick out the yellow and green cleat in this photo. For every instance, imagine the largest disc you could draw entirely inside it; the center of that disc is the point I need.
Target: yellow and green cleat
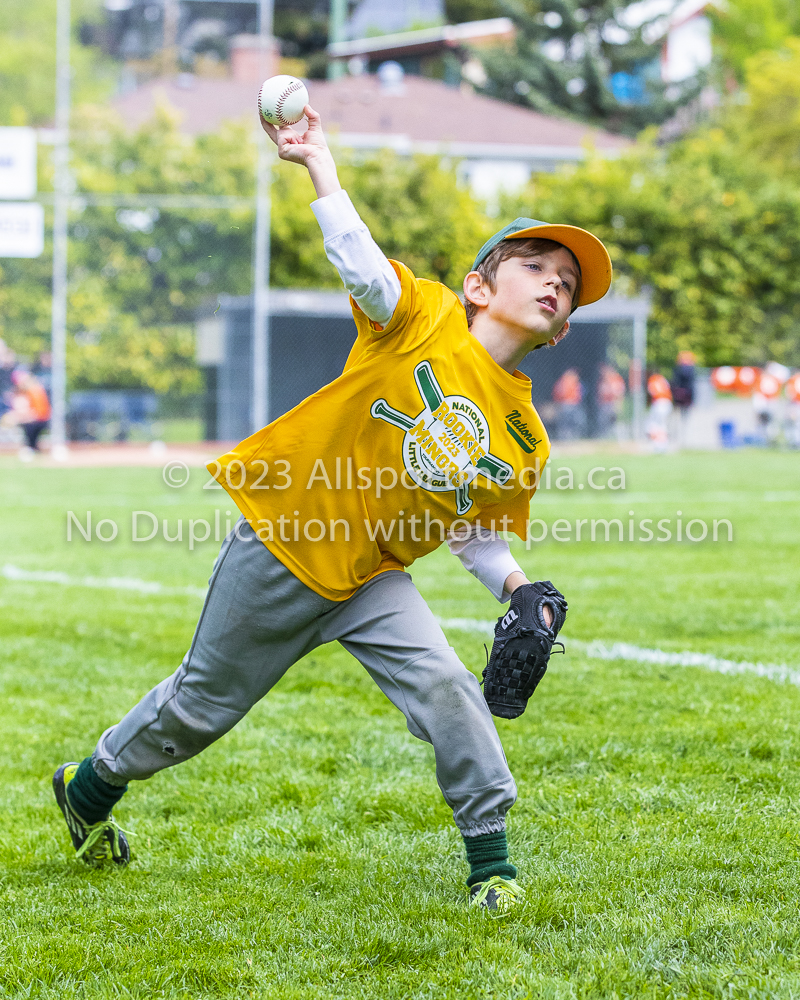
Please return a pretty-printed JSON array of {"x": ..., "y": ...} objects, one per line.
[
  {"x": 500, "y": 895},
  {"x": 96, "y": 843}
]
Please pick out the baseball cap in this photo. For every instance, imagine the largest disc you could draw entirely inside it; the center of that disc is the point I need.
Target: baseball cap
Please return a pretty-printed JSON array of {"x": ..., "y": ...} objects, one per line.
[{"x": 590, "y": 252}]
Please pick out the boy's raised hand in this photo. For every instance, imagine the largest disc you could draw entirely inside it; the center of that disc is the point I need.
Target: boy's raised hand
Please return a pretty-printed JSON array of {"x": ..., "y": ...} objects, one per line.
[
  {"x": 308, "y": 148},
  {"x": 295, "y": 146}
]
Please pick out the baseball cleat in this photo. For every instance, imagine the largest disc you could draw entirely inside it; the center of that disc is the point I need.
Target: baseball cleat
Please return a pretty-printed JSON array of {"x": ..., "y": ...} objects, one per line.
[
  {"x": 96, "y": 843},
  {"x": 498, "y": 894}
]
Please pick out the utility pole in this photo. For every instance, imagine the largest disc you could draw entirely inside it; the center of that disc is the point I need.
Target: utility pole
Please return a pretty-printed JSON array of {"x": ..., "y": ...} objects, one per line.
[
  {"x": 259, "y": 413},
  {"x": 58, "y": 421},
  {"x": 637, "y": 373},
  {"x": 336, "y": 21}
]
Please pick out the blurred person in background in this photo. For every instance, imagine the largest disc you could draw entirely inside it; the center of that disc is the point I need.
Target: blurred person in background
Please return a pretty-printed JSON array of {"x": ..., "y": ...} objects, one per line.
[
  {"x": 766, "y": 404},
  {"x": 568, "y": 396},
  {"x": 682, "y": 386},
  {"x": 683, "y": 380},
  {"x": 765, "y": 412},
  {"x": 610, "y": 394},
  {"x": 30, "y": 410},
  {"x": 793, "y": 411},
  {"x": 7, "y": 361},
  {"x": 660, "y": 393}
]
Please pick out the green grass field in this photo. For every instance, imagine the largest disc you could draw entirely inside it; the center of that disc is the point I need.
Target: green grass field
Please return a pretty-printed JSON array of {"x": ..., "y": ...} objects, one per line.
[{"x": 308, "y": 853}]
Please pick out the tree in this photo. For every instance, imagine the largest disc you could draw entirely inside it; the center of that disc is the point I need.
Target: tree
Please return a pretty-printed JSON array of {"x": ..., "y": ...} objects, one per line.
[
  {"x": 138, "y": 275},
  {"x": 420, "y": 214},
  {"x": 27, "y": 60},
  {"x": 767, "y": 120},
  {"x": 743, "y": 28},
  {"x": 584, "y": 59},
  {"x": 714, "y": 233},
  {"x": 458, "y": 11}
]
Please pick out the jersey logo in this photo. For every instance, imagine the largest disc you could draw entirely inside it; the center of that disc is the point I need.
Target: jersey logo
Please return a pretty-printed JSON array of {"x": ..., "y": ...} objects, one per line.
[
  {"x": 518, "y": 429},
  {"x": 446, "y": 445}
]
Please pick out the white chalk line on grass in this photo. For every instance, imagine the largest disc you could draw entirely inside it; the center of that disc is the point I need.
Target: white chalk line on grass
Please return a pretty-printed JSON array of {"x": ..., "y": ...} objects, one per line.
[
  {"x": 468, "y": 625},
  {"x": 97, "y": 582},
  {"x": 598, "y": 650},
  {"x": 595, "y": 650}
]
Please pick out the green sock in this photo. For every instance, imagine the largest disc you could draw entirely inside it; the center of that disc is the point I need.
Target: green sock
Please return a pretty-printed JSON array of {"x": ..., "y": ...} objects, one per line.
[
  {"x": 90, "y": 796},
  {"x": 488, "y": 855}
]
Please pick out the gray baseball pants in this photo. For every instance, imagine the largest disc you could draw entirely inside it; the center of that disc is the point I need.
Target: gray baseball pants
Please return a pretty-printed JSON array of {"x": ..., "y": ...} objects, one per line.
[{"x": 258, "y": 619}]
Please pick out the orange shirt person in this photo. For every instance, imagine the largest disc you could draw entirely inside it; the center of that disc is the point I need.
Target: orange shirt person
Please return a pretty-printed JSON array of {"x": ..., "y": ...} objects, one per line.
[
  {"x": 658, "y": 387},
  {"x": 611, "y": 388},
  {"x": 31, "y": 409},
  {"x": 660, "y": 393},
  {"x": 568, "y": 388}
]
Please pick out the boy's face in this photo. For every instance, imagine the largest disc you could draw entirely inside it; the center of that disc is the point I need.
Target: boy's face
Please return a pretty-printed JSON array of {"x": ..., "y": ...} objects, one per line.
[{"x": 533, "y": 294}]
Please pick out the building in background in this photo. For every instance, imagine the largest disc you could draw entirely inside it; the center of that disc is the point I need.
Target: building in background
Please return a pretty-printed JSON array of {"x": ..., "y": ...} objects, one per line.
[
  {"x": 447, "y": 52},
  {"x": 687, "y": 41},
  {"x": 208, "y": 37},
  {"x": 139, "y": 29},
  {"x": 686, "y": 50},
  {"x": 499, "y": 144},
  {"x": 377, "y": 17}
]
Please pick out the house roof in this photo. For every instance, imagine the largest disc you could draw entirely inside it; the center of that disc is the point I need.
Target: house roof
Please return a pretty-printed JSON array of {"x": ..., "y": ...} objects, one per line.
[
  {"x": 422, "y": 115},
  {"x": 688, "y": 9},
  {"x": 435, "y": 39}
]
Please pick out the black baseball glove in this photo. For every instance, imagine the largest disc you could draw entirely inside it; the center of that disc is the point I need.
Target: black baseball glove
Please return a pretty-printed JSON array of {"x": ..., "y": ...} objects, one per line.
[{"x": 522, "y": 645}]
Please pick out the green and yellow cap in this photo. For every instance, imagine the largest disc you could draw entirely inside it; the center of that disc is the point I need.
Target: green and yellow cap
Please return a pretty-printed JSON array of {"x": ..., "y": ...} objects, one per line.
[{"x": 590, "y": 252}]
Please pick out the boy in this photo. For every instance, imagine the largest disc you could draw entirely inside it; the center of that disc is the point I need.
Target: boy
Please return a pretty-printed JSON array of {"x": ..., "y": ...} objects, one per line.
[{"x": 429, "y": 429}]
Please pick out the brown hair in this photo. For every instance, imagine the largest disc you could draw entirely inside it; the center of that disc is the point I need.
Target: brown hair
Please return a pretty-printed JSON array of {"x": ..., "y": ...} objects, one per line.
[{"x": 507, "y": 249}]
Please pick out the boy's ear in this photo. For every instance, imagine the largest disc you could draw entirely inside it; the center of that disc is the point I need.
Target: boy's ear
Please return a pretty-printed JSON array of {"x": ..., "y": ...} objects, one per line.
[
  {"x": 476, "y": 290},
  {"x": 560, "y": 335}
]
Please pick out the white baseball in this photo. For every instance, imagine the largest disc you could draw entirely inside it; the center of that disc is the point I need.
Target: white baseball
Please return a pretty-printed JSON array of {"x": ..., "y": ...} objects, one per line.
[{"x": 281, "y": 100}]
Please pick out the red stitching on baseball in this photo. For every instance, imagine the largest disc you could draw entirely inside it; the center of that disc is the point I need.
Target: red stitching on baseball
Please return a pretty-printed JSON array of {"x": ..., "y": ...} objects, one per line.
[{"x": 293, "y": 86}]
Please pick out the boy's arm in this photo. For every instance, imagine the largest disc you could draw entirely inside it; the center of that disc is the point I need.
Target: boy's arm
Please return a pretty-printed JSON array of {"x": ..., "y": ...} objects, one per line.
[
  {"x": 364, "y": 269},
  {"x": 362, "y": 266},
  {"x": 487, "y": 556}
]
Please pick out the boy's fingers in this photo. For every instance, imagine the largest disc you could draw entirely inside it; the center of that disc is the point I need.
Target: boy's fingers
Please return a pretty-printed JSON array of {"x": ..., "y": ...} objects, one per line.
[
  {"x": 270, "y": 129},
  {"x": 313, "y": 117}
]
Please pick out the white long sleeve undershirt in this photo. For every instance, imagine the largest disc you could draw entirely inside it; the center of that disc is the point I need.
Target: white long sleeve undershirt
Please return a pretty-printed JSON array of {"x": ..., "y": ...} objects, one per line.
[
  {"x": 371, "y": 280},
  {"x": 362, "y": 266},
  {"x": 487, "y": 556}
]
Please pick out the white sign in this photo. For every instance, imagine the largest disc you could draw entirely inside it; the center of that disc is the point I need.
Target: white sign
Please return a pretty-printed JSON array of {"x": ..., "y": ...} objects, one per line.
[
  {"x": 21, "y": 229},
  {"x": 17, "y": 163}
]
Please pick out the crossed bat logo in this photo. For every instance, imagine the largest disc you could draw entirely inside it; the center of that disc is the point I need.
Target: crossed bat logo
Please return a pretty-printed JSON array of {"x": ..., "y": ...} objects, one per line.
[{"x": 443, "y": 446}]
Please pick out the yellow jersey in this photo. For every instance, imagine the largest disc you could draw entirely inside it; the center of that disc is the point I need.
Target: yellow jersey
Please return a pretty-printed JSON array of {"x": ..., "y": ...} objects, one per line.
[{"x": 423, "y": 432}]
